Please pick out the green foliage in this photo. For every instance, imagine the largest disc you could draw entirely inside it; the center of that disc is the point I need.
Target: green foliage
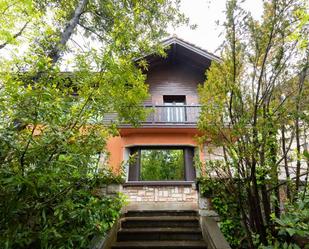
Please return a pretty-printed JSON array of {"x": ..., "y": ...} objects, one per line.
[
  {"x": 58, "y": 207},
  {"x": 250, "y": 97},
  {"x": 294, "y": 222},
  {"x": 278, "y": 245},
  {"x": 49, "y": 174},
  {"x": 129, "y": 28},
  {"x": 52, "y": 123},
  {"x": 15, "y": 16},
  {"x": 158, "y": 165},
  {"x": 226, "y": 205}
]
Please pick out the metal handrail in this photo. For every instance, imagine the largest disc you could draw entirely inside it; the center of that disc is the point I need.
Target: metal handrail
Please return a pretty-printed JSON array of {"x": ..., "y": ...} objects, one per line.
[
  {"x": 175, "y": 114},
  {"x": 172, "y": 105}
]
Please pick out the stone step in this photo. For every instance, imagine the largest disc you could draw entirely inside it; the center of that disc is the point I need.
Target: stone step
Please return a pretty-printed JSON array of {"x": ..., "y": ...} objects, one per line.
[
  {"x": 143, "y": 213},
  {"x": 160, "y": 244},
  {"x": 177, "y": 233},
  {"x": 160, "y": 221}
]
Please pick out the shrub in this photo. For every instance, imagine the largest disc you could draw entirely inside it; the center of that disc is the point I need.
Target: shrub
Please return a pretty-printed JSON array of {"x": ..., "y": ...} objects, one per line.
[
  {"x": 57, "y": 208},
  {"x": 227, "y": 208}
]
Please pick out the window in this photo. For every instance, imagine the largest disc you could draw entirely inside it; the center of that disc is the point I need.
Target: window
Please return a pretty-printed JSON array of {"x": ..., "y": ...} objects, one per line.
[
  {"x": 174, "y": 108},
  {"x": 161, "y": 163}
]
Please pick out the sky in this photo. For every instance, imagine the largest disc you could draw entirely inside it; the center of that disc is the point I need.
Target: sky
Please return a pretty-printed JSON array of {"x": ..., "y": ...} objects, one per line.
[{"x": 205, "y": 13}]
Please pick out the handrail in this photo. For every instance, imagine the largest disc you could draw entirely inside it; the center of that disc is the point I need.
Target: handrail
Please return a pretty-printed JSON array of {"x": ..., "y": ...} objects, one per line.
[
  {"x": 167, "y": 115},
  {"x": 212, "y": 235},
  {"x": 173, "y": 114},
  {"x": 154, "y": 106}
]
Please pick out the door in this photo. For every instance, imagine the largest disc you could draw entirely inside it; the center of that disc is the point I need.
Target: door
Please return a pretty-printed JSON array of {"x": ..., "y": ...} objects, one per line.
[{"x": 174, "y": 108}]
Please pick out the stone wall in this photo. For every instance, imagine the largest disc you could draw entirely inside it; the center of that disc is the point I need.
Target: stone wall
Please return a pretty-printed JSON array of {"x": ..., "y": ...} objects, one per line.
[{"x": 187, "y": 194}]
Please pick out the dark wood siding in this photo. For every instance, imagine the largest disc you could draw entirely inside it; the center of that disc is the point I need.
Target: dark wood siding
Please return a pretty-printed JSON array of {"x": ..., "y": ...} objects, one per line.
[
  {"x": 171, "y": 79},
  {"x": 174, "y": 79}
]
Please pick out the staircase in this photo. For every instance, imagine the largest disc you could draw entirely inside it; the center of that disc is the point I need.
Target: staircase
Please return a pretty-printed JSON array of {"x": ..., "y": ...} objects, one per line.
[{"x": 160, "y": 229}]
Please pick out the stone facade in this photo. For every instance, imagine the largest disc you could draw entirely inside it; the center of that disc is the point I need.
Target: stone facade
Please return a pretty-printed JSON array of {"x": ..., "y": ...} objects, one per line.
[{"x": 186, "y": 194}]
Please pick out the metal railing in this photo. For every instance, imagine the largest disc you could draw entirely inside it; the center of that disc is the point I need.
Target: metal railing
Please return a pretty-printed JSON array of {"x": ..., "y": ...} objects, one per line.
[{"x": 173, "y": 114}]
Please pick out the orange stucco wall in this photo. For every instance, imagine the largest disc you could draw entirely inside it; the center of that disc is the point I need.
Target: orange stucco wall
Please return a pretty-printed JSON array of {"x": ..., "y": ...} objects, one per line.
[{"x": 117, "y": 145}]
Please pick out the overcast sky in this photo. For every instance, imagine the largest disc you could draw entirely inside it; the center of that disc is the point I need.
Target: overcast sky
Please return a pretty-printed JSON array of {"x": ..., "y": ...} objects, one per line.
[{"x": 205, "y": 13}]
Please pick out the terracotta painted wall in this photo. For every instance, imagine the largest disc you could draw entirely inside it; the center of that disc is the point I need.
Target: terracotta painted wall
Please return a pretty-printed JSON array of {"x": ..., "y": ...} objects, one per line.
[{"x": 117, "y": 145}]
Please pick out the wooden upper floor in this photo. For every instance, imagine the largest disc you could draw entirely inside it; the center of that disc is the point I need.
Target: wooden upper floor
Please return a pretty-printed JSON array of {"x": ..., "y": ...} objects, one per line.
[{"x": 173, "y": 83}]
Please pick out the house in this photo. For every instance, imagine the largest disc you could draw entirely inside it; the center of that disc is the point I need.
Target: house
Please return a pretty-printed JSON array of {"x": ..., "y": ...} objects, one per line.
[
  {"x": 162, "y": 171},
  {"x": 165, "y": 209}
]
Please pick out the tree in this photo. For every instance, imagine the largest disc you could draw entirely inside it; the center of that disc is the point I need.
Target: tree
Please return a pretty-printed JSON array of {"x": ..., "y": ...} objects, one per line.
[
  {"x": 158, "y": 165},
  {"x": 11, "y": 30},
  {"x": 248, "y": 98},
  {"x": 51, "y": 122}
]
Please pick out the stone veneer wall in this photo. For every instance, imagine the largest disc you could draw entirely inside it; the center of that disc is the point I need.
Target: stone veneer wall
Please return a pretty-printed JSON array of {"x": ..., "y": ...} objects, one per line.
[{"x": 186, "y": 194}]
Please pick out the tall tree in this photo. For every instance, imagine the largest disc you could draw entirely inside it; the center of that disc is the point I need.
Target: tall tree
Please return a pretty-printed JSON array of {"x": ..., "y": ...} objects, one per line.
[
  {"x": 246, "y": 102},
  {"x": 52, "y": 122}
]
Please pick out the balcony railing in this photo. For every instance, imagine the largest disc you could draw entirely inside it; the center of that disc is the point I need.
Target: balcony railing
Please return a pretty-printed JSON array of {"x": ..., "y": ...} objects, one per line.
[
  {"x": 173, "y": 114},
  {"x": 164, "y": 115}
]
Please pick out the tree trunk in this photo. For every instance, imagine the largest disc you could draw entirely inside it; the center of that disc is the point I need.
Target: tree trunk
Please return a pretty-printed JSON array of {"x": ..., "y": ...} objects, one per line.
[
  {"x": 256, "y": 206},
  {"x": 302, "y": 78},
  {"x": 286, "y": 166},
  {"x": 68, "y": 31},
  {"x": 297, "y": 133}
]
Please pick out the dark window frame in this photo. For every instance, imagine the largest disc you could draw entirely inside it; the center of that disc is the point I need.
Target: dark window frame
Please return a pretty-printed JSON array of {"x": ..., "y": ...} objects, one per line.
[{"x": 189, "y": 169}]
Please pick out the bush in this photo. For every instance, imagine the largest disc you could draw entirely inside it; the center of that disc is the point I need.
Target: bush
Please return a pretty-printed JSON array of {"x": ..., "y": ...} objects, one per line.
[
  {"x": 293, "y": 225},
  {"x": 57, "y": 208},
  {"x": 226, "y": 206}
]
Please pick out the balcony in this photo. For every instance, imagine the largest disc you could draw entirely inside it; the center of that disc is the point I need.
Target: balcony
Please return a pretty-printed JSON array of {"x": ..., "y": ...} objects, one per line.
[
  {"x": 172, "y": 115},
  {"x": 165, "y": 115}
]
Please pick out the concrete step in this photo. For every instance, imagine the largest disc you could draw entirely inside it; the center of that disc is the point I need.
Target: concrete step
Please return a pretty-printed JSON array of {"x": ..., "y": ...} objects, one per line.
[
  {"x": 173, "y": 233},
  {"x": 160, "y": 221},
  {"x": 148, "y": 213},
  {"x": 160, "y": 244}
]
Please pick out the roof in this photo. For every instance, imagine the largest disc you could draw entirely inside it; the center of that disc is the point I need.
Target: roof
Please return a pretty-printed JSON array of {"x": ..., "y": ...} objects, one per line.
[
  {"x": 183, "y": 52},
  {"x": 194, "y": 48}
]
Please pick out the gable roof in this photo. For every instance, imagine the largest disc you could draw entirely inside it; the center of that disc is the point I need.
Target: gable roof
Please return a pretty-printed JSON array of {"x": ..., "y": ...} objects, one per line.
[
  {"x": 181, "y": 52},
  {"x": 192, "y": 47}
]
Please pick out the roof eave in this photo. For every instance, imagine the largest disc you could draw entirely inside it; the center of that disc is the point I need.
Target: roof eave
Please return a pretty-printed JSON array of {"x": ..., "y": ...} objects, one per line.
[{"x": 193, "y": 48}]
